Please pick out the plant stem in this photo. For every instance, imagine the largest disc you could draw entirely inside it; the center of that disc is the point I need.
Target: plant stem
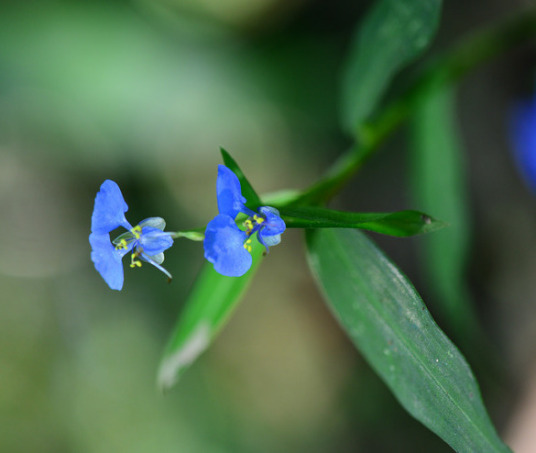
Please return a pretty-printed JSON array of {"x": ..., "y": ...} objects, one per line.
[
  {"x": 464, "y": 58},
  {"x": 193, "y": 235}
]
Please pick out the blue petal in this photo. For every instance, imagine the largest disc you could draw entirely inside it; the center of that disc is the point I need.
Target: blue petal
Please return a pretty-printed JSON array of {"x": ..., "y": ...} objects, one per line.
[
  {"x": 270, "y": 241},
  {"x": 154, "y": 241},
  {"x": 224, "y": 247},
  {"x": 229, "y": 193},
  {"x": 107, "y": 259},
  {"x": 270, "y": 230},
  {"x": 273, "y": 223},
  {"x": 155, "y": 222},
  {"x": 158, "y": 258},
  {"x": 154, "y": 261},
  {"x": 524, "y": 138},
  {"x": 109, "y": 210}
]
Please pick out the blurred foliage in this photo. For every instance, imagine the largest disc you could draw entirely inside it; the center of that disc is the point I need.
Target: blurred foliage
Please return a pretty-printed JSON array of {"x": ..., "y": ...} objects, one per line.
[{"x": 145, "y": 92}]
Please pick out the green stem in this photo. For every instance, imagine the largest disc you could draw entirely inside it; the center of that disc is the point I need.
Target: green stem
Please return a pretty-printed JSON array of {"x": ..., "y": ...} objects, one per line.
[
  {"x": 193, "y": 235},
  {"x": 464, "y": 58}
]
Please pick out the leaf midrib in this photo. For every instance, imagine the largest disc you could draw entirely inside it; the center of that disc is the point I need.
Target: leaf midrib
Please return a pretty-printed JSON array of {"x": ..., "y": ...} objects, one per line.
[{"x": 408, "y": 347}]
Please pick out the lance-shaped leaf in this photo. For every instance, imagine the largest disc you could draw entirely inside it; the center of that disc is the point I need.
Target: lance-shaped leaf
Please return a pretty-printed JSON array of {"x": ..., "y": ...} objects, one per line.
[
  {"x": 253, "y": 200},
  {"x": 401, "y": 223},
  {"x": 388, "y": 322},
  {"x": 206, "y": 311},
  {"x": 439, "y": 182},
  {"x": 392, "y": 34}
]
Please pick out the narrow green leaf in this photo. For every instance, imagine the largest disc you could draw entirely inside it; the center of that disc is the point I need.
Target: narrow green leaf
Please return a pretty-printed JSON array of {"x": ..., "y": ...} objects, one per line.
[
  {"x": 438, "y": 179},
  {"x": 283, "y": 197},
  {"x": 388, "y": 322},
  {"x": 208, "y": 307},
  {"x": 401, "y": 223},
  {"x": 253, "y": 200},
  {"x": 392, "y": 34}
]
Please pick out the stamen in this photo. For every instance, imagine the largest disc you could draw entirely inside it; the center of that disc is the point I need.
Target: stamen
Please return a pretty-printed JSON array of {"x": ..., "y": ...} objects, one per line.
[
  {"x": 133, "y": 261},
  {"x": 249, "y": 226},
  {"x": 136, "y": 231},
  {"x": 122, "y": 245},
  {"x": 247, "y": 245},
  {"x": 252, "y": 224}
]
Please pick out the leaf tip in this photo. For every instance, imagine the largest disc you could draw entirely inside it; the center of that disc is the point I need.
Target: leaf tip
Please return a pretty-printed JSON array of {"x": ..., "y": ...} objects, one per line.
[
  {"x": 174, "y": 363},
  {"x": 431, "y": 224},
  {"x": 224, "y": 153},
  {"x": 426, "y": 219}
]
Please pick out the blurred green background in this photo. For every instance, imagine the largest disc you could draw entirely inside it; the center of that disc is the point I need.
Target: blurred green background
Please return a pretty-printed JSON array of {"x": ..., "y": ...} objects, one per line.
[{"x": 144, "y": 92}]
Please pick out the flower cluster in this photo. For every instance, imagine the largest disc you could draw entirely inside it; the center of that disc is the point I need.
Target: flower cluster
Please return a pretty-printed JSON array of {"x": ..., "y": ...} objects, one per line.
[
  {"x": 226, "y": 245},
  {"x": 147, "y": 240}
]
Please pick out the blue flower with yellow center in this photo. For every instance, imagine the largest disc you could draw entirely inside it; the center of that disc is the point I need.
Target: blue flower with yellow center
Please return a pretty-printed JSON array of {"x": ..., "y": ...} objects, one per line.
[
  {"x": 226, "y": 245},
  {"x": 147, "y": 241}
]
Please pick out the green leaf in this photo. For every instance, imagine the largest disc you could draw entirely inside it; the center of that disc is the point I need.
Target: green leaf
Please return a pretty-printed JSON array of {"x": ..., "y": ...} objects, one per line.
[
  {"x": 401, "y": 223},
  {"x": 253, "y": 200},
  {"x": 392, "y": 34},
  {"x": 206, "y": 311},
  {"x": 438, "y": 179},
  {"x": 388, "y": 322},
  {"x": 283, "y": 197}
]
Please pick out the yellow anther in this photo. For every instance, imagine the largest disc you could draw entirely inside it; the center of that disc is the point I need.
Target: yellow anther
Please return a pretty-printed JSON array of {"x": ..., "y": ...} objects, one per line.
[
  {"x": 136, "y": 231},
  {"x": 249, "y": 225},
  {"x": 122, "y": 245},
  {"x": 258, "y": 219},
  {"x": 134, "y": 262},
  {"x": 247, "y": 245}
]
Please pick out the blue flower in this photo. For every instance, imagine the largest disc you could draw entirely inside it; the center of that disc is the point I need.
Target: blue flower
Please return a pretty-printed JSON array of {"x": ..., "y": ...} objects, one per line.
[
  {"x": 226, "y": 245},
  {"x": 147, "y": 240},
  {"x": 523, "y": 128}
]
